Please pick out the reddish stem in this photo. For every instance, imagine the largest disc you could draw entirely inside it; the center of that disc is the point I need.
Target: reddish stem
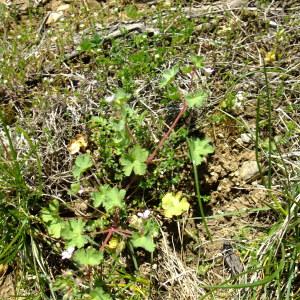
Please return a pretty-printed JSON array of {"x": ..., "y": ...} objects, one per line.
[
  {"x": 167, "y": 134},
  {"x": 110, "y": 232}
]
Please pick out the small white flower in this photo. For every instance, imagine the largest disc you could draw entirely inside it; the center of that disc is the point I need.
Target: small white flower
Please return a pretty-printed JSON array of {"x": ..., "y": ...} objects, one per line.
[
  {"x": 240, "y": 96},
  {"x": 67, "y": 254},
  {"x": 208, "y": 70},
  {"x": 110, "y": 99},
  {"x": 145, "y": 214}
]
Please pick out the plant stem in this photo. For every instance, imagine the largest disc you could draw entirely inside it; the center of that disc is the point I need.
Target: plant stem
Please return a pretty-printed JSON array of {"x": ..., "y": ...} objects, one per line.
[
  {"x": 257, "y": 119},
  {"x": 161, "y": 142},
  {"x": 109, "y": 234},
  {"x": 199, "y": 198},
  {"x": 269, "y": 105},
  {"x": 167, "y": 134},
  {"x": 268, "y": 184},
  {"x": 200, "y": 201},
  {"x": 134, "y": 260}
]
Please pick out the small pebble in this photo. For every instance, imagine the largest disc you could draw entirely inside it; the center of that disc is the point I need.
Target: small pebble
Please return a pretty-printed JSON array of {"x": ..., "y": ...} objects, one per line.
[
  {"x": 246, "y": 138},
  {"x": 248, "y": 170}
]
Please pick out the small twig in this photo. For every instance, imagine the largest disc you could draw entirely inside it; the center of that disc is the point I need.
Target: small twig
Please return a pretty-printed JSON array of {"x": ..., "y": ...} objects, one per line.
[{"x": 151, "y": 157}]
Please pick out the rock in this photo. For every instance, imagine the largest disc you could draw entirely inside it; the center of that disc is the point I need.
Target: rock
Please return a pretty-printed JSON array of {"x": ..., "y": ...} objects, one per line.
[
  {"x": 238, "y": 106},
  {"x": 54, "y": 17},
  {"x": 237, "y": 3},
  {"x": 63, "y": 7},
  {"x": 57, "y": 12},
  {"x": 248, "y": 170},
  {"x": 246, "y": 138}
]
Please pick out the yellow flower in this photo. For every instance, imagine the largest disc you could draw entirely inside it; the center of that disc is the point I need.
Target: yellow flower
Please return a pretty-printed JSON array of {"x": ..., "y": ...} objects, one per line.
[
  {"x": 270, "y": 56},
  {"x": 113, "y": 243},
  {"x": 116, "y": 245}
]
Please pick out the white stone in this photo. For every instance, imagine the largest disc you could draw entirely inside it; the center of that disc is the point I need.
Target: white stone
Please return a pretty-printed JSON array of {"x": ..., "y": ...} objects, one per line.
[
  {"x": 54, "y": 17},
  {"x": 246, "y": 138},
  {"x": 248, "y": 170}
]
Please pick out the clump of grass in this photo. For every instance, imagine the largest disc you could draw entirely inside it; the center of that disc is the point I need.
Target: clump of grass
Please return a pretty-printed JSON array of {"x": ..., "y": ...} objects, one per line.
[{"x": 19, "y": 235}]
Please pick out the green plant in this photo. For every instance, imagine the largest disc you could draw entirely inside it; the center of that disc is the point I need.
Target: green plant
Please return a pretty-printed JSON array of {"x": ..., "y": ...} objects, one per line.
[
  {"x": 198, "y": 150},
  {"x": 110, "y": 198},
  {"x": 118, "y": 139},
  {"x": 81, "y": 236},
  {"x": 137, "y": 93}
]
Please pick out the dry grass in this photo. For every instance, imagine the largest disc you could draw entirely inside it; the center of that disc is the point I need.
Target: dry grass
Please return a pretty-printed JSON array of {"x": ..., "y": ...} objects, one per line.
[{"x": 175, "y": 279}]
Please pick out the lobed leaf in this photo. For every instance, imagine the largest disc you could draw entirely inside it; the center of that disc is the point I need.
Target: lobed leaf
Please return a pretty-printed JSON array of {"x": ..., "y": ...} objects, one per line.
[
  {"x": 135, "y": 161},
  {"x": 174, "y": 205},
  {"x": 196, "y": 99},
  {"x": 168, "y": 76},
  {"x": 73, "y": 233},
  {"x": 143, "y": 241},
  {"x": 99, "y": 294},
  {"x": 82, "y": 163},
  {"x": 50, "y": 215},
  {"x": 88, "y": 257},
  {"x": 109, "y": 198},
  {"x": 199, "y": 149}
]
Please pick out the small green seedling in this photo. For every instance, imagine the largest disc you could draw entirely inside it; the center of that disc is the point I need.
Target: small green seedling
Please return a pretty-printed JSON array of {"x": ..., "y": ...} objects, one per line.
[{"x": 198, "y": 61}]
